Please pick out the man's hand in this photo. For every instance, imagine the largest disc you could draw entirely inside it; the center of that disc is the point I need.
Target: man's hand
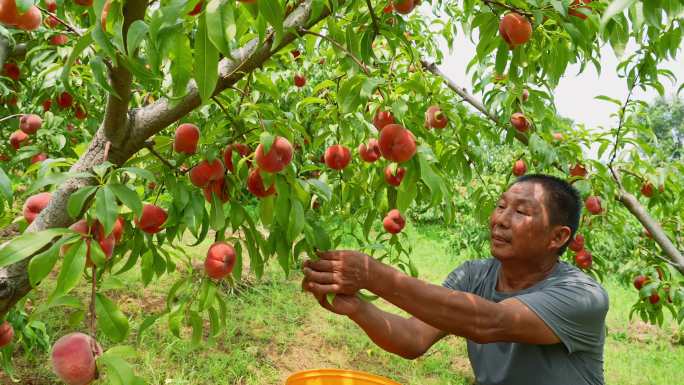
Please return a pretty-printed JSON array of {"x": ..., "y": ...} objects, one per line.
[
  {"x": 346, "y": 305},
  {"x": 338, "y": 272}
]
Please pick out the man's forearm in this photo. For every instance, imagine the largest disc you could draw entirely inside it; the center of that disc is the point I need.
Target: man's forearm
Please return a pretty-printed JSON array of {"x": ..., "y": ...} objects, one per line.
[
  {"x": 391, "y": 332},
  {"x": 454, "y": 312}
]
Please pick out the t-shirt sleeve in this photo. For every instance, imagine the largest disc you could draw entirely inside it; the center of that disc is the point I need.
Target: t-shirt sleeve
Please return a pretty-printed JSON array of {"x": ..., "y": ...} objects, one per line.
[
  {"x": 575, "y": 311},
  {"x": 460, "y": 278}
]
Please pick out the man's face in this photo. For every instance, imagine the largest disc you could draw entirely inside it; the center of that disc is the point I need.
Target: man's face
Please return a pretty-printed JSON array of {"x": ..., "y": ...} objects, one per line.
[{"x": 519, "y": 225}]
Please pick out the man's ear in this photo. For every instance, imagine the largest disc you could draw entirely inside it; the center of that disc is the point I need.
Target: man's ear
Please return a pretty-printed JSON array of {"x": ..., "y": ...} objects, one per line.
[{"x": 559, "y": 237}]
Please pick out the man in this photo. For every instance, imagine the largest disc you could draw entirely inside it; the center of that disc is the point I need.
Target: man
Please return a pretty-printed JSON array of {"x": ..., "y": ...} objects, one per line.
[{"x": 528, "y": 318}]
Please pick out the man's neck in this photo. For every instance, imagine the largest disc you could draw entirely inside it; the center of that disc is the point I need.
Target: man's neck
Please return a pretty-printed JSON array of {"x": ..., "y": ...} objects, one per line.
[{"x": 519, "y": 275}]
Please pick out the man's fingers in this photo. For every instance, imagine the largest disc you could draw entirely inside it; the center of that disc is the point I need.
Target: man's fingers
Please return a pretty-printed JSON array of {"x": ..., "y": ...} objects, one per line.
[
  {"x": 323, "y": 265},
  {"x": 321, "y": 290},
  {"x": 318, "y": 276},
  {"x": 332, "y": 255}
]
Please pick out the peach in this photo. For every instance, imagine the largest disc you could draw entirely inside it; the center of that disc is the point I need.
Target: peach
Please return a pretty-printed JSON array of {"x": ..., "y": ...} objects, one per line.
[
  {"x": 519, "y": 168},
  {"x": 35, "y": 204},
  {"x": 185, "y": 140},
  {"x": 220, "y": 260},
  {"x": 382, "y": 118},
  {"x": 397, "y": 144},
  {"x": 337, "y": 157},
  {"x": 18, "y": 139},
  {"x": 219, "y": 188},
  {"x": 394, "y": 222},
  {"x": 578, "y": 170},
  {"x": 205, "y": 172},
  {"x": 435, "y": 118},
  {"x": 240, "y": 148},
  {"x": 403, "y": 6},
  {"x": 593, "y": 204},
  {"x": 299, "y": 80},
  {"x": 370, "y": 152},
  {"x": 6, "y": 334},
  {"x": 583, "y": 259},
  {"x": 30, "y": 123},
  {"x": 255, "y": 185},
  {"x": 520, "y": 122},
  {"x": 577, "y": 243},
  {"x": 73, "y": 358},
  {"x": 278, "y": 156},
  {"x": 152, "y": 218},
  {"x": 12, "y": 71},
  {"x": 515, "y": 29},
  {"x": 395, "y": 178}
]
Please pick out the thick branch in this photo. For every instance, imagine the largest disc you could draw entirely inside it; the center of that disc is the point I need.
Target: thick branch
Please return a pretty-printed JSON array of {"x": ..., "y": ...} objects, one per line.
[
  {"x": 628, "y": 200},
  {"x": 116, "y": 113},
  {"x": 632, "y": 204}
]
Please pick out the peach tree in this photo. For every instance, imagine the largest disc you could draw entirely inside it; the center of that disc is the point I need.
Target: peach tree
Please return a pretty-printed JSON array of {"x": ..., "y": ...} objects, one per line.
[{"x": 281, "y": 127}]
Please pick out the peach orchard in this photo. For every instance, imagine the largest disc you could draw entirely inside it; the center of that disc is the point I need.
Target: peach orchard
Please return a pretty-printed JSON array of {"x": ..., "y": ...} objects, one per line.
[{"x": 133, "y": 128}]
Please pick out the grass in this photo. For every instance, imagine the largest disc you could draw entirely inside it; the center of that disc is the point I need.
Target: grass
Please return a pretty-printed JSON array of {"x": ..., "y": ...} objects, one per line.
[{"x": 274, "y": 329}]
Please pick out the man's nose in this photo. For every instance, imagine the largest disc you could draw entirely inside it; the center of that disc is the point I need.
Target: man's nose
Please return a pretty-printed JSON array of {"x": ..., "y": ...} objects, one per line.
[{"x": 502, "y": 218}]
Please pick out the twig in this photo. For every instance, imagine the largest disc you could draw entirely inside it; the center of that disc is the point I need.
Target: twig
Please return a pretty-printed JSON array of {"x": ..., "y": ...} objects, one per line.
[
  {"x": 339, "y": 46},
  {"x": 93, "y": 316},
  {"x": 225, "y": 111},
  {"x": 245, "y": 92},
  {"x": 8, "y": 117},
  {"x": 376, "y": 23},
  {"x": 108, "y": 145},
  {"x": 623, "y": 111},
  {"x": 64, "y": 23},
  {"x": 150, "y": 146},
  {"x": 508, "y": 7}
]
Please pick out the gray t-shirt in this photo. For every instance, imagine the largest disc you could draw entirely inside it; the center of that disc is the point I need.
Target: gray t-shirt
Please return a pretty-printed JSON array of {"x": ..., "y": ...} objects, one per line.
[{"x": 573, "y": 305}]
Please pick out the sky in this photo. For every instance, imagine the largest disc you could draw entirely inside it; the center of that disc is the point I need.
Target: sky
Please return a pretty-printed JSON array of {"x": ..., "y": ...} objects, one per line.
[{"x": 575, "y": 94}]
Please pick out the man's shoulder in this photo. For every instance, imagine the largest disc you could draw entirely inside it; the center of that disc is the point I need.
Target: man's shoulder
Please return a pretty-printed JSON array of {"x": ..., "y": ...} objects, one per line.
[{"x": 571, "y": 278}]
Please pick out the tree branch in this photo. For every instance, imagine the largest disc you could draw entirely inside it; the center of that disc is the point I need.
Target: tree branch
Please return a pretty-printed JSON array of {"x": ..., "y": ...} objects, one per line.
[
  {"x": 374, "y": 17},
  {"x": 506, "y": 6},
  {"x": 150, "y": 147},
  {"x": 632, "y": 204},
  {"x": 68, "y": 26},
  {"x": 340, "y": 47}
]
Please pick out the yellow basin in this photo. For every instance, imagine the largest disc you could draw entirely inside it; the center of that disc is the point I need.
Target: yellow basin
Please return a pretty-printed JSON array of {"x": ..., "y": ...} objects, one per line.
[{"x": 337, "y": 377}]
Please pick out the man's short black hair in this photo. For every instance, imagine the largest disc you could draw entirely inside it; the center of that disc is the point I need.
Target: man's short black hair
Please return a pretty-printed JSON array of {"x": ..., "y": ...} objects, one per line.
[{"x": 563, "y": 202}]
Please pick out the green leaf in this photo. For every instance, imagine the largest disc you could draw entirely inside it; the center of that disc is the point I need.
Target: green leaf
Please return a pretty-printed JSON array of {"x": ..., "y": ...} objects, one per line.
[
  {"x": 218, "y": 218},
  {"x": 274, "y": 12},
  {"x": 196, "y": 323},
  {"x": 5, "y": 186},
  {"x": 27, "y": 244},
  {"x": 322, "y": 187},
  {"x": 77, "y": 200},
  {"x": 119, "y": 372},
  {"x": 72, "y": 269},
  {"x": 614, "y": 8},
  {"x": 142, "y": 173},
  {"x": 296, "y": 222},
  {"x": 221, "y": 26},
  {"x": 206, "y": 62},
  {"x": 266, "y": 210},
  {"x": 106, "y": 209},
  {"x": 41, "y": 265},
  {"x": 100, "y": 73},
  {"x": 82, "y": 43},
  {"x": 266, "y": 139},
  {"x": 110, "y": 319},
  {"x": 135, "y": 36},
  {"x": 129, "y": 197}
]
